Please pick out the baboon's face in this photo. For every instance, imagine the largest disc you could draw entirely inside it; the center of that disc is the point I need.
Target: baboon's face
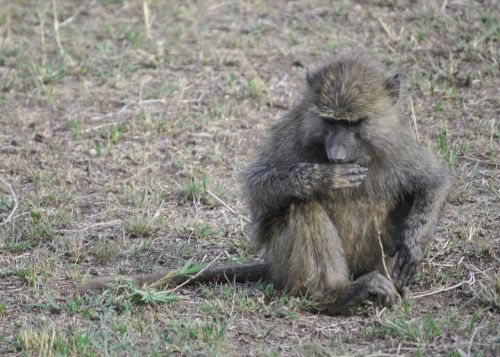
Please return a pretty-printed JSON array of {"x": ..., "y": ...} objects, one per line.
[
  {"x": 351, "y": 112},
  {"x": 342, "y": 141},
  {"x": 337, "y": 141}
]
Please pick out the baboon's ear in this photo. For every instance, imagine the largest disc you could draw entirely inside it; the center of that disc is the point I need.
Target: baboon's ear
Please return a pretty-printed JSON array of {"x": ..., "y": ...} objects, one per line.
[
  {"x": 392, "y": 84},
  {"x": 313, "y": 80},
  {"x": 309, "y": 77}
]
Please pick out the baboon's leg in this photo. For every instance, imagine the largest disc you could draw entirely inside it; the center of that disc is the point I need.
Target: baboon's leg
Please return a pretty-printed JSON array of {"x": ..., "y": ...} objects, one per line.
[
  {"x": 305, "y": 254},
  {"x": 307, "y": 257}
]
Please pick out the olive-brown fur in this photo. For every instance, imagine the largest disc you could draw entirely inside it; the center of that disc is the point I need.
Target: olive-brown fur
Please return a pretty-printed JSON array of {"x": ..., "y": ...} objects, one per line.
[{"x": 318, "y": 214}]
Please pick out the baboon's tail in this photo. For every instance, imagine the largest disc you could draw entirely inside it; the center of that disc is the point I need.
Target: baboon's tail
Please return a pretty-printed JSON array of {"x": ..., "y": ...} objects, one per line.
[{"x": 224, "y": 273}]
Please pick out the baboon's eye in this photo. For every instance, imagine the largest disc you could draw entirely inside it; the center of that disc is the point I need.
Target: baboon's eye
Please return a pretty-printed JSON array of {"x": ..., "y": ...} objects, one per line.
[
  {"x": 327, "y": 120},
  {"x": 358, "y": 122},
  {"x": 350, "y": 123}
]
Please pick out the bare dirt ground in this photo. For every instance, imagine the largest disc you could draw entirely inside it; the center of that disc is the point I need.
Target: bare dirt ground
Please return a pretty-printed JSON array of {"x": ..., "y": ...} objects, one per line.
[{"x": 119, "y": 117}]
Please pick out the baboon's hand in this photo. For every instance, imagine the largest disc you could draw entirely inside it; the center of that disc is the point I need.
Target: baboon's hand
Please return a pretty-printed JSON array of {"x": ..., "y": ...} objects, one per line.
[
  {"x": 348, "y": 175},
  {"x": 410, "y": 256}
]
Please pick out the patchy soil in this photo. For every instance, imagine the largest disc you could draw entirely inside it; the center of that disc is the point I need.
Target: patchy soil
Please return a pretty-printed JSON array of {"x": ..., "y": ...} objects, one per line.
[{"x": 121, "y": 120}]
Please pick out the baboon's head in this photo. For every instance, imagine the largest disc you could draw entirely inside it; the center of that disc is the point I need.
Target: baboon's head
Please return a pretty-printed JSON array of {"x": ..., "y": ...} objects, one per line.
[{"x": 352, "y": 109}]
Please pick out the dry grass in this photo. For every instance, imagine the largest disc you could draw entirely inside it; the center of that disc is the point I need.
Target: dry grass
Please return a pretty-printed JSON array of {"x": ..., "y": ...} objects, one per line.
[{"x": 122, "y": 130}]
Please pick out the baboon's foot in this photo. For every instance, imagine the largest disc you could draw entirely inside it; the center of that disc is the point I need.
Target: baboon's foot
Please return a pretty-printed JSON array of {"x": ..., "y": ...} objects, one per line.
[
  {"x": 382, "y": 288},
  {"x": 343, "y": 297}
]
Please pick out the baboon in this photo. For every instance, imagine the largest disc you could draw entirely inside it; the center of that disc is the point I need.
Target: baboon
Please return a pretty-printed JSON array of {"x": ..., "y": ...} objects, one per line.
[{"x": 338, "y": 184}]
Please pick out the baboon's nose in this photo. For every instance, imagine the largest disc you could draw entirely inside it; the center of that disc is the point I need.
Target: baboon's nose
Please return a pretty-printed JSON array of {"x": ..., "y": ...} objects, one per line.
[{"x": 338, "y": 155}]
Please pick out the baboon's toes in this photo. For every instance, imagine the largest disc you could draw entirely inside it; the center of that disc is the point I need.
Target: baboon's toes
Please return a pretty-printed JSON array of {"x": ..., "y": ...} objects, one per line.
[
  {"x": 384, "y": 289},
  {"x": 404, "y": 291},
  {"x": 390, "y": 298}
]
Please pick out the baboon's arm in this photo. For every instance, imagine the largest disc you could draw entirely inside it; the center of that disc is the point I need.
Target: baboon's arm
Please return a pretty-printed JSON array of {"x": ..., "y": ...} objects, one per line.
[
  {"x": 238, "y": 273},
  {"x": 277, "y": 186},
  {"x": 419, "y": 227}
]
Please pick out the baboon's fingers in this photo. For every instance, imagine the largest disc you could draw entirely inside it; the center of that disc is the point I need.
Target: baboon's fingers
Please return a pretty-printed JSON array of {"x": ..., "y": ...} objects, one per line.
[
  {"x": 348, "y": 175},
  {"x": 356, "y": 178},
  {"x": 349, "y": 181},
  {"x": 349, "y": 169},
  {"x": 406, "y": 275},
  {"x": 405, "y": 269},
  {"x": 344, "y": 184},
  {"x": 396, "y": 270}
]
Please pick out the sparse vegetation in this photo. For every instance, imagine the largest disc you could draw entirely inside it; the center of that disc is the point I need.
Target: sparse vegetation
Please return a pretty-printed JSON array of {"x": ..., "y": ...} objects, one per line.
[{"x": 124, "y": 125}]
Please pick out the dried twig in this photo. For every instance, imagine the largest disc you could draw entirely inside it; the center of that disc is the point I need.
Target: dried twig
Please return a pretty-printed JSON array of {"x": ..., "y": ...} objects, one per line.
[
  {"x": 382, "y": 251},
  {"x": 42, "y": 40},
  {"x": 14, "y": 198},
  {"x": 482, "y": 162},
  {"x": 417, "y": 136},
  {"x": 139, "y": 173},
  {"x": 392, "y": 34},
  {"x": 227, "y": 206},
  {"x": 56, "y": 27},
  {"x": 147, "y": 19},
  {"x": 443, "y": 7},
  {"x": 222, "y": 4},
  {"x": 472, "y": 339},
  {"x": 443, "y": 248},
  {"x": 70, "y": 19},
  {"x": 112, "y": 223},
  {"x": 57, "y": 36},
  {"x": 472, "y": 280}
]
